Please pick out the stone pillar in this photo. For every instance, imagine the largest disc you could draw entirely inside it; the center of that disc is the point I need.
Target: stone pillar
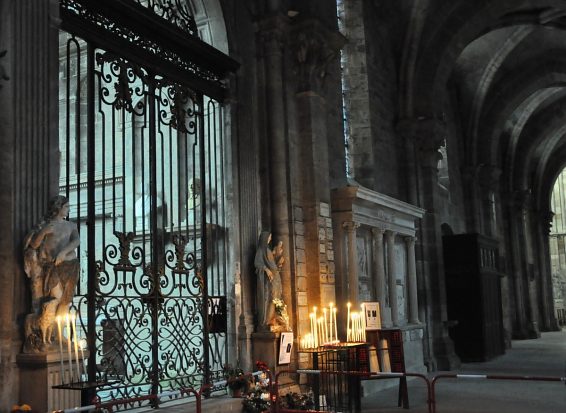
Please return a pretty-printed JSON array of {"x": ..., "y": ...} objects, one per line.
[
  {"x": 520, "y": 313},
  {"x": 29, "y": 163},
  {"x": 525, "y": 284},
  {"x": 272, "y": 34},
  {"x": 546, "y": 298},
  {"x": 352, "y": 262},
  {"x": 412, "y": 281},
  {"x": 313, "y": 47},
  {"x": 379, "y": 263},
  {"x": 427, "y": 137},
  {"x": 392, "y": 276}
]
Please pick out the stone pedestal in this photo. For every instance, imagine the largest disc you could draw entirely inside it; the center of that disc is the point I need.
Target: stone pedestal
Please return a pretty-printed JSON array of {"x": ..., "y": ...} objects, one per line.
[
  {"x": 266, "y": 348},
  {"x": 38, "y": 374}
]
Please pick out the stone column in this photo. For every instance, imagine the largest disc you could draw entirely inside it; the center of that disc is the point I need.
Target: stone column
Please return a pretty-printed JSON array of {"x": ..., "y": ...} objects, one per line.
[
  {"x": 546, "y": 298},
  {"x": 29, "y": 164},
  {"x": 272, "y": 34},
  {"x": 412, "y": 281},
  {"x": 312, "y": 47},
  {"x": 525, "y": 295},
  {"x": 379, "y": 263},
  {"x": 352, "y": 262},
  {"x": 392, "y": 276},
  {"x": 428, "y": 136}
]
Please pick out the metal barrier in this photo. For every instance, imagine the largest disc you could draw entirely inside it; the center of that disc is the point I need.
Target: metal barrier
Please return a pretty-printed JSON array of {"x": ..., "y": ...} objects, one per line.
[
  {"x": 362, "y": 375},
  {"x": 184, "y": 391},
  {"x": 485, "y": 377}
]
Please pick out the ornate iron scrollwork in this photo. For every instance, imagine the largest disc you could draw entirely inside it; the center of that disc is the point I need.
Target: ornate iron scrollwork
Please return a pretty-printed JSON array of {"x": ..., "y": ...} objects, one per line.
[{"x": 177, "y": 12}]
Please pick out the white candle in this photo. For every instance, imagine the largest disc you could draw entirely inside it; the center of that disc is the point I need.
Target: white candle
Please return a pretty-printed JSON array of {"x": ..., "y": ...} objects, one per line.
[
  {"x": 363, "y": 322},
  {"x": 325, "y": 326},
  {"x": 335, "y": 326},
  {"x": 74, "y": 325},
  {"x": 330, "y": 314},
  {"x": 61, "y": 370},
  {"x": 348, "y": 324},
  {"x": 82, "y": 346},
  {"x": 68, "y": 322}
]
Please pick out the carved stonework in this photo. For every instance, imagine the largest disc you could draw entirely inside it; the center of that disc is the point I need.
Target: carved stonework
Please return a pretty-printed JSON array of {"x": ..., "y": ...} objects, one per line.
[
  {"x": 428, "y": 134},
  {"x": 489, "y": 176},
  {"x": 313, "y": 47}
]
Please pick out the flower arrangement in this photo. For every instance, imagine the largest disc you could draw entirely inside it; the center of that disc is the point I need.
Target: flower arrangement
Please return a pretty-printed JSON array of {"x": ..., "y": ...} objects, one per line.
[
  {"x": 258, "y": 399},
  {"x": 298, "y": 401},
  {"x": 281, "y": 311},
  {"x": 22, "y": 408},
  {"x": 236, "y": 381}
]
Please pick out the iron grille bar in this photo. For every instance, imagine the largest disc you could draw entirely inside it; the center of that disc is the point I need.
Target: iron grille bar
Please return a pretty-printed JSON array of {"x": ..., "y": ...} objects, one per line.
[
  {"x": 91, "y": 246},
  {"x": 204, "y": 238}
]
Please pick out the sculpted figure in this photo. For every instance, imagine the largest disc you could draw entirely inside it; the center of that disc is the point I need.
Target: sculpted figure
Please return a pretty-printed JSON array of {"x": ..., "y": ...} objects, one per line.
[
  {"x": 271, "y": 310},
  {"x": 51, "y": 264}
]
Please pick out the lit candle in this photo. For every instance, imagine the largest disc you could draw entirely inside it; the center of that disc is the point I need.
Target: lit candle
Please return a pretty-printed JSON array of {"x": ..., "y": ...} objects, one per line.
[
  {"x": 82, "y": 346},
  {"x": 363, "y": 322},
  {"x": 61, "y": 372},
  {"x": 68, "y": 321},
  {"x": 74, "y": 325},
  {"x": 330, "y": 315},
  {"x": 348, "y": 324},
  {"x": 325, "y": 326},
  {"x": 335, "y": 325}
]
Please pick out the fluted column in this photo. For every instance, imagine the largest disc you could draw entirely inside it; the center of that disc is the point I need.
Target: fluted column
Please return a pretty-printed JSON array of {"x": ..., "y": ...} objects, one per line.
[
  {"x": 352, "y": 261},
  {"x": 377, "y": 234},
  {"x": 412, "y": 281},
  {"x": 392, "y": 274}
]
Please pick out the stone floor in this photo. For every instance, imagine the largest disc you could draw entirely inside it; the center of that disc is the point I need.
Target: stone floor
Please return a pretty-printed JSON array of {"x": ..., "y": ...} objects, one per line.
[{"x": 543, "y": 357}]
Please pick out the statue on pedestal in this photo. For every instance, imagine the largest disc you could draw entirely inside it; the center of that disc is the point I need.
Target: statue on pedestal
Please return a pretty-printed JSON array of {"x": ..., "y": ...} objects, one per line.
[
  {"x": 51, "y": 264},
  {"x": 271, "y": 309}
]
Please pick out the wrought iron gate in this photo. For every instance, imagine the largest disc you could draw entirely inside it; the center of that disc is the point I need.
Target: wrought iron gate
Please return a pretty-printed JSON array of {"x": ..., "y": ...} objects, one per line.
[{"x": 142, "y": 156}]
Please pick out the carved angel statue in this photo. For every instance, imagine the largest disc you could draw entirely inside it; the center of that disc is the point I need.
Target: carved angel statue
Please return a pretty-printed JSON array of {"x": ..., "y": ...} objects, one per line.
[
  {"x": 51, "y": 264},
  {"x": 271, "y": 309}
]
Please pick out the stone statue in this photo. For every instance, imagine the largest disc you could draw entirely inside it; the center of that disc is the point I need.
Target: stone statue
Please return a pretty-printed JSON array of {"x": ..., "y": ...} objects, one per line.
[
  {"x": 51, "y": 264},
  {"x": 271, "y": 309}
]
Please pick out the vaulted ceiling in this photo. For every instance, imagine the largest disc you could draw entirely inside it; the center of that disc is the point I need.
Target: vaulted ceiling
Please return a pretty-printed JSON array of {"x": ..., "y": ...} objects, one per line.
[{"x": 504, "y": 62}]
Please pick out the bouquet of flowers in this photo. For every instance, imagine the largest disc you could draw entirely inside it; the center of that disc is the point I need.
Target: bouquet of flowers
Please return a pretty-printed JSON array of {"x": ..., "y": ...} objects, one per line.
[
  {"x": 236, "y": 381},
  {"x": 258, "y": 399},
  {"x": 298, "y": 401},
  {"x": 281, "y": 312}
]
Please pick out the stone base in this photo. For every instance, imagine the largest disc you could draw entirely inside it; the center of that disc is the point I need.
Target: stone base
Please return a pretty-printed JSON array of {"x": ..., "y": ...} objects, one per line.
[
  {"x": 266, "y": 348},
  {"x": 39, "y": 372}
]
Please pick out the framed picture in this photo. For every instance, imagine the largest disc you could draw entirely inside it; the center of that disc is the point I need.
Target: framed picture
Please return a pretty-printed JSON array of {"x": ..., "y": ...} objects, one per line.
[
  {"x": 373, "y": 316},
  {"x": 285, "y": 347}
]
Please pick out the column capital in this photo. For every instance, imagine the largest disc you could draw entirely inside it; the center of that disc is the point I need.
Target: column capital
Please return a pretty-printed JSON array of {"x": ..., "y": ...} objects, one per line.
[
  {"x": 377, "y": 231},
  {"x": 313, "y": 47},
  {"x": 350, "y": 226},
  {"x": 390, "y": 233},
  {"x": 489, "y": 176},
  {"x": 410, "y": 240},
  {"x": 428, "y": 134}
]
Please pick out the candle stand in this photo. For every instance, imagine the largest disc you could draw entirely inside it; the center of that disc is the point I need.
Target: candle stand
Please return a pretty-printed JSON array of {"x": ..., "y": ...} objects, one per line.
[
  {"x": 340, "y": 392},
  {"x": 87, "y": 389}
]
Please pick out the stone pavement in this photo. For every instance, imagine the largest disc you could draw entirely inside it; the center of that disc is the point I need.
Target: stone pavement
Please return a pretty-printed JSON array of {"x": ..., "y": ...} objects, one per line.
[{"x": 542, "y": 357}]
